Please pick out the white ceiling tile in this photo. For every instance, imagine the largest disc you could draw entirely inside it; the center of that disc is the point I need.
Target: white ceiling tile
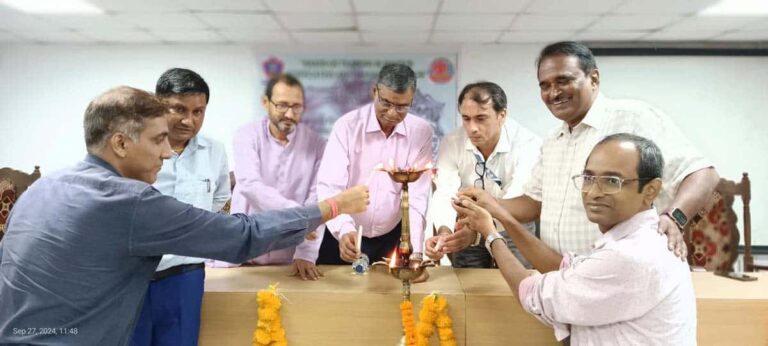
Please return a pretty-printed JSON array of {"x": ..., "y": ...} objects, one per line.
[
  {"x": 710, "y": 23},
  {"x": 14, "y": 21},
  {"x": 120, "y": 36},
  {"x": 327, "y": 37},
  {"x": 631, "y": 22},
  {"x": 310, "y": 6},
  {"x": 9, "y": 37},
  {"x": 161, "y": 21},
  {"x": 317, "y": 21},
  {"x": 189, "y": 36},
  {"x": 609, "y": 36},
  {"x": 536, "y": 36},
  {"x": 483, "y": 6},
  {"x": 395, "y": 6},
  {"x": 57, "y": 37},
  {"x": 395, "y": 37},
  {"x": 394, "y": 22},
  {"x": 465, "y": 36},
  {"x": 744, "y": 36},
  {"x": 571, "y": 6},
  {"x": 237, "y": 21},
  {"x": 757, "y": 25},
  {"x": 139, "y": 6},
  {"x": 224, "y": 5},
  {"x": 256, "y": 36},
  {"x": 665, "y": 7},
  {"x": 538, "y": 22},
  {"x": 106, "y": 22},
  {"x": 474, "y": 22},
  {"x": 680, "y": 36}
]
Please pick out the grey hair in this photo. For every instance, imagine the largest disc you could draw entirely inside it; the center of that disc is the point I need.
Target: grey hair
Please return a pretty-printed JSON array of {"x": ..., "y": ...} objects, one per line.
[
  {"x": 122, "y": 109},
  {"x": 651, "y": 164},
  {"x": 397, "y": 77}
]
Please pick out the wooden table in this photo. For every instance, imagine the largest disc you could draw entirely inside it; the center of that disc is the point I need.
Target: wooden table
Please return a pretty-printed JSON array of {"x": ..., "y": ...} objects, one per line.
[
  {"x": 339, "y": 309},
  {"x": 731, "y": 312},
  {"x": 344, "y": 309}
]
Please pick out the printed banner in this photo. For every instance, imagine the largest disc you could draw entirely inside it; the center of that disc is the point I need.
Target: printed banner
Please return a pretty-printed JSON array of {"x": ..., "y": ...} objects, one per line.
[{"x": 337, "y": 84}]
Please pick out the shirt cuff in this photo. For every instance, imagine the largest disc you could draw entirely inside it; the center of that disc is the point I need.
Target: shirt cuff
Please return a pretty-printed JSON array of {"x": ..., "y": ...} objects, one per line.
[
  {"x": 220, "y": 264},
  {"x": 526, "y": 288}
]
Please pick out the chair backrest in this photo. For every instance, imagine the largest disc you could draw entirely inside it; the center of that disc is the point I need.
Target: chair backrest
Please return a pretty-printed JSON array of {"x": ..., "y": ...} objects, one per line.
[
  {"x": 712, "y": 236},
  {"x": 12, "y": 184}
]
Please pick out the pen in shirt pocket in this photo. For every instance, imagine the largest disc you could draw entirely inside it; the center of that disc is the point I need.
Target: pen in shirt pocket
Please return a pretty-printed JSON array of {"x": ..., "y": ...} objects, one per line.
[{"x": 208, "y": 184}]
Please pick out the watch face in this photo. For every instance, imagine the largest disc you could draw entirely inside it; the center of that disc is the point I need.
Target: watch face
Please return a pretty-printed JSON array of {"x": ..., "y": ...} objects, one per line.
[{"x": 679, "y": 216}]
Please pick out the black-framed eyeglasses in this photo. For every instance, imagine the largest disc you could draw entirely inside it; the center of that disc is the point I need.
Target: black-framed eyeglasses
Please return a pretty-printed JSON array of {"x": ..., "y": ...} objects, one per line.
[
  {"x": 283, "y": 107},
  {"x": 480, "y": 171},
  {"x": 608, "y": 184},
  {"x": 389, "y": 105}
]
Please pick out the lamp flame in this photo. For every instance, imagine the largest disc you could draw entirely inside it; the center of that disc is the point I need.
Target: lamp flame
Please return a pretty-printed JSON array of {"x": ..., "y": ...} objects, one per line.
[{"x": 393, "y": 260}]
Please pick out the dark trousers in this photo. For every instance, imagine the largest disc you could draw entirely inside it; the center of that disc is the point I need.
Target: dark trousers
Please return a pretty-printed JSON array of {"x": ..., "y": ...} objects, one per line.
[
  {"x": 171, "y": 312},
  {"x": 478, "y": 256},
  {"x": 375, "y": 248}
]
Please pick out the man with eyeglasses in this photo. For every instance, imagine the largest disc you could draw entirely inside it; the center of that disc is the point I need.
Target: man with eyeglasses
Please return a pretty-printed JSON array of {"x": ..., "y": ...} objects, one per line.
[
  {"x": 491, "y": 152},
  {"x": 569, "y": 83},
  {"x": 361, "y": 140},
  {"x": 629, "y": 289},
  {"x": 276, "y": 163},
  {"x": 196, "y": 173}
]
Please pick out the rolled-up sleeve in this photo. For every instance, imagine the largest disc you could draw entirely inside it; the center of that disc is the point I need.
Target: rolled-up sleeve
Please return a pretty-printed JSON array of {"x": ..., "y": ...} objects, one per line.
[{"x": 588, "y": 291}]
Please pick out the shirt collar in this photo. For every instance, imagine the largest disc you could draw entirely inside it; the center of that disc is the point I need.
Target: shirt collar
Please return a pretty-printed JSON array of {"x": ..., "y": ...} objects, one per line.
[
  {"x": 596, "y": 116},
  {"x": 502, "y": 146},
  {"x": 374, "y": 126},
  {"x": 641, "y": 220},
  {"x": 90, "y": 158},
  {"x": 290, "y": 136},
  {"x": 195, "y": 143}
]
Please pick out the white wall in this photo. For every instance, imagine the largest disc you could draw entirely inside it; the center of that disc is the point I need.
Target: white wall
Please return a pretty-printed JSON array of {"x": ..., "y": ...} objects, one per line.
[{"x": 716, "y": 101}]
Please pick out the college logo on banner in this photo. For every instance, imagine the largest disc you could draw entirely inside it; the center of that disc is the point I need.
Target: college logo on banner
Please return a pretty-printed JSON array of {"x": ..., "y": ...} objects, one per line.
[
  {"x": 272, "y": 67},
  {"x": 441, "y": 71}
]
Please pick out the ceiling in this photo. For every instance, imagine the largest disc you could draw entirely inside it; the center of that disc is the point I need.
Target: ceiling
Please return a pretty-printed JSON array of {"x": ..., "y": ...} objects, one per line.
[{"x": 382, "y": 22}]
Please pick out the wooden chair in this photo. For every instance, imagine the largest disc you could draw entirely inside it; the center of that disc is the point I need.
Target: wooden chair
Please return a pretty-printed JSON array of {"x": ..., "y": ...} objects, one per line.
[
  {"x": 713, "y": 235},
  {"x": 12, "y": 184}
]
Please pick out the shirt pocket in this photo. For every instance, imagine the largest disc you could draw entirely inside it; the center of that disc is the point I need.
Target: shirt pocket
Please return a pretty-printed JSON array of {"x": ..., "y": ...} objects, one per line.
[{"x": 196, "y": 190}]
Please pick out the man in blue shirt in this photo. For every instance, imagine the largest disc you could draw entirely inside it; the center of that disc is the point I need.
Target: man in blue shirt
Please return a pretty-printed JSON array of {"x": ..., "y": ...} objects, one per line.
[
  {"x": 82, "y": 244},
  {"x": 196, "y": 173}
]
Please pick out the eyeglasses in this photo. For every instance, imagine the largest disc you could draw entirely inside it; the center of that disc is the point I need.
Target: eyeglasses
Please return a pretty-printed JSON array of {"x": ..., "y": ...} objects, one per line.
[
  {"x": 389, "y": 105},
  {"x": 283, "y": 108},
  {"x": 608, "y": 184},
  {"x": 480, "y": 171}
]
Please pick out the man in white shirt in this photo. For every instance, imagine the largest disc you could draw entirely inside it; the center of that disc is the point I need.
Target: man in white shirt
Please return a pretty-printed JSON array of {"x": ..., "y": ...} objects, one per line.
[
  {"x": 196, "y": 173},
  {"x": 629, "y": 289},
  {"x": 570, "y": 88},
  {"x": 491, "y": 152}
]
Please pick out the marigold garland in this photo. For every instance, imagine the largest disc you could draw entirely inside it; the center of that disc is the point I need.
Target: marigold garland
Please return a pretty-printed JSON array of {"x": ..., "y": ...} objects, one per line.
[
  {"x": 434, "y": 312},
  {"x": 406, "y": 313},
  {"x": 269, "y": 328}
]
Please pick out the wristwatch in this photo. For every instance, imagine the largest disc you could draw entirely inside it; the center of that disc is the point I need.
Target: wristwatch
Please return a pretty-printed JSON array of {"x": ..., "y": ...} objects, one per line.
[
  {"x": 678, "y": 217},
  {"x": 491, "y": 238}
]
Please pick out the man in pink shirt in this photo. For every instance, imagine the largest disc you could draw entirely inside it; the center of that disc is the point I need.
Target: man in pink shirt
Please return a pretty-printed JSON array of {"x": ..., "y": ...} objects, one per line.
[
  {"x": 629, "y": 289},
  {"x": 362, "y": 139},
  {"x": 276, "y": 162}
]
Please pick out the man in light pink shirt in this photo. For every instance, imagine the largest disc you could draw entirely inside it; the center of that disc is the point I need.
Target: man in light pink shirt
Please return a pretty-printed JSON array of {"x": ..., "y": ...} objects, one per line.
[
  {"x": 276, "y": 162},
  {"x": 629, "y": 289},
  {"x": 361, "y": 139}
]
